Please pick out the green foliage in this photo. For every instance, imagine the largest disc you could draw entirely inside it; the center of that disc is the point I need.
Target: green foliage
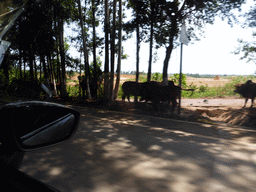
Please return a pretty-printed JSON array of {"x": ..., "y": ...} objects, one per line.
[
  {"x": 73, "y": 91},
  {"x": 157, "y": 77},
  {"x": 98, "y": 68},
  {"x": 192, "y": 86},
  {"x": 120, "y": 93},
  {"x": 217, "y": 92},
  {"x": 176, "y": 78},
  {"x": 70, "y": 74},
  {"x": 248, "y": 49},
  {"x": 203, "y": 88}
]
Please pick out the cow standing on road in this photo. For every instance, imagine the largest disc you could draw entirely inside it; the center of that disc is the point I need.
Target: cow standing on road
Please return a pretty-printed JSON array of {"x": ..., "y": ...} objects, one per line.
[
  {"x": 131, "y": 88},
  {"x": 156, "y": 93},
  {"x": 153, "y": 91},
  {"x": 247, "y": 90},
  {"x": 93, "y": 83}
]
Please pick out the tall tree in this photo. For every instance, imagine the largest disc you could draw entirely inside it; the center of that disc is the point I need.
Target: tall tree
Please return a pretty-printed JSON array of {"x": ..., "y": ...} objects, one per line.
[
  {"x": 85, "y": 52},
  {"x": 248, "y": 49},
  {"x": 195, "y": 12},
  {"x": 113, "y": 38},
  {"x": 152, "y": 20},
  {"x": 136, "y": 24},
  {"x": 106, "y": 67},
  {"x": 119, "y": 50},
  {"x": 95, "y": 78}
]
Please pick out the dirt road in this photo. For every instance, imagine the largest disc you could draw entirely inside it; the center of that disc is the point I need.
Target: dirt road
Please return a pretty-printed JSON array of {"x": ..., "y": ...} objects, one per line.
[
  {"x": 115, "y": 151},
  {"x": 229, "y": 111},
  {"x": 237, "y": 103}
]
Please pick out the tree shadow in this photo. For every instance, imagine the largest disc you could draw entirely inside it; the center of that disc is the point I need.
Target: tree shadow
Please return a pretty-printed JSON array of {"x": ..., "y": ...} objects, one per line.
[{"x": 118, "y": 152}]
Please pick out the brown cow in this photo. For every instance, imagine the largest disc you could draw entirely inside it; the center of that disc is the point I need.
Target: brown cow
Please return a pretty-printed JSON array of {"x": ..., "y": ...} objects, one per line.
[
  {"x": 156, "y": 93},
  {"x": 247, "y": 90},
  {"x": 135, "y": 88},
  {"x": 131, "y": 88},
  {"x": 93, "y": 85}
]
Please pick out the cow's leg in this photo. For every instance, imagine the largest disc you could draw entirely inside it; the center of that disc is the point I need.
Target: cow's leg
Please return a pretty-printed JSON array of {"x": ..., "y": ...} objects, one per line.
[
  {"x": 156, "y": 106},
  {"x": 128, "y": 97},
  {"x": 246, "y": 99},
  {"x": 159, "y": 106},
  {"x": 174, "y": 104},
  {"x": 252, "y": 101}
]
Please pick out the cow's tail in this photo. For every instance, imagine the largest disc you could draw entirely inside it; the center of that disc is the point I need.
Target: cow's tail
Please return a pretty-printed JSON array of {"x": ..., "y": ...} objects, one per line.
[{"x": 189, "y": 90}]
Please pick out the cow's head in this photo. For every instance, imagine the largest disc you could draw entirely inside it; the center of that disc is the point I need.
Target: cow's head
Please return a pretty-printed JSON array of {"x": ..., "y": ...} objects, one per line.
[{"x": 238, "y": 87}]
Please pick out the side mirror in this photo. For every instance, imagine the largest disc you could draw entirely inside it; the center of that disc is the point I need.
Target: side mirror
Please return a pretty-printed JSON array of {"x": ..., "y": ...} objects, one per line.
[{"x": 37, "y": 125}]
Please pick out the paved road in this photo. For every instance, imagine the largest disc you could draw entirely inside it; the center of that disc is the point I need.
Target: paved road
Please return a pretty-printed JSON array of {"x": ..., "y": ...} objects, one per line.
[{"x": 119, "y": 152}]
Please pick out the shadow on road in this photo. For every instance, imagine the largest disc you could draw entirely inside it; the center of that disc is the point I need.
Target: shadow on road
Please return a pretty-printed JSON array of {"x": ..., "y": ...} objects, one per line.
[{"x": 116, "y": 152}]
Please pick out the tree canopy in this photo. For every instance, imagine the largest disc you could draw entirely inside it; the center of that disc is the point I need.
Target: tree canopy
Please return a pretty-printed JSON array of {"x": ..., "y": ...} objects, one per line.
[
  {"x": 38, "y": 35},
  {"x": 246, "y": 48}
]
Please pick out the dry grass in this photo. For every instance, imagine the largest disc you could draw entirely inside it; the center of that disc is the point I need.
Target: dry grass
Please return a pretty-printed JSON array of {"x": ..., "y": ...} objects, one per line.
[{"x": 211, "y": 82}]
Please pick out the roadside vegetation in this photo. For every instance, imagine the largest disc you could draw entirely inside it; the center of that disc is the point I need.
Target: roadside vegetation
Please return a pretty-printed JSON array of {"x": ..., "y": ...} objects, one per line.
[
  {"x": 227, "y": 90},
  {"x": 203, "y": 91}
]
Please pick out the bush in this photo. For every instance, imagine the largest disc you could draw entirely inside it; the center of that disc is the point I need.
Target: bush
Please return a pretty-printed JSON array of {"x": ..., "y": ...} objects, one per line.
[
  {"x": 157, "y": 77},
  {"x": 203, "y": 88},
  {"x": 73, "y": 91},
  {"x": 176, "y": 78}
]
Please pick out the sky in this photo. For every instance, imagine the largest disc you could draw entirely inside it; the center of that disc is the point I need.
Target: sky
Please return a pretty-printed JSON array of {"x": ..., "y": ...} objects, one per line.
[{"x": 211, "y": 55}]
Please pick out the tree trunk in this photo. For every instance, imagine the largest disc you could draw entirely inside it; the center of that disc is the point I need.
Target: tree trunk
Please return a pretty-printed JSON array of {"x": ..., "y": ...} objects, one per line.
[
  {"x": 169, "y": 50},
  {"x": 95, "y": 77},
  {"x": 35, "y": 68},
  {"x": 63, "y": 63},
  {"x": 119, "y": 51},
  {"x": 30, "y": 58},
  {"x": 57, "y": 47},
  {"x": 6, "y": 69},
  {"x": 150, "y": 52},
  {"x": 113, "y": 52},
  {"x": 106, "y": 67},
  {"x": 152, "y": 20},
  {"x": 40, "y": 78},
  {"x": 46, "y": 75},
  {"x": 137, "y": 57},
  {"x": 52, "y": 75},
  {"x": 85, "y": 52},
  {"x": 166, "y": 61},
  {"x": 20, "y": 61},
  {"x": 137, "y": 48},
  {"x": 24, "y": 63}
]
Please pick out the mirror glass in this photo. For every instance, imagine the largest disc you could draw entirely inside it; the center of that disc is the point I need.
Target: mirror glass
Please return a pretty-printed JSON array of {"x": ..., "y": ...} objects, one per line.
[
  {"x": 41, "y": 124},
  {"x": 51, "y": 133}
]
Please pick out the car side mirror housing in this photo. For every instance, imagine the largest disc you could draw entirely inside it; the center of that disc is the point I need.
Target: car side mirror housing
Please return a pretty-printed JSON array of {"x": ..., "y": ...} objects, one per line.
[{"x": 34, "y": 125}]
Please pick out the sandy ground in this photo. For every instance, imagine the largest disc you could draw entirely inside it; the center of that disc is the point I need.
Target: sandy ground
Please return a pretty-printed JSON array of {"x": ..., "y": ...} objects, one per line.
[
  {"x": 223, "y": 110},
  {"x": 229, "y": 111},
  {"x": 237, "y": 103}
]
